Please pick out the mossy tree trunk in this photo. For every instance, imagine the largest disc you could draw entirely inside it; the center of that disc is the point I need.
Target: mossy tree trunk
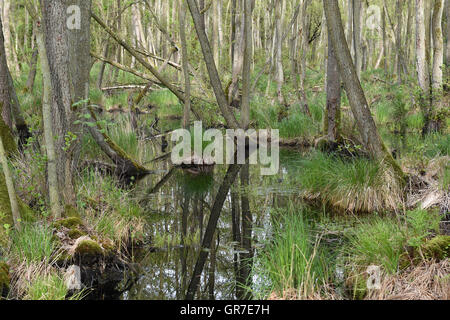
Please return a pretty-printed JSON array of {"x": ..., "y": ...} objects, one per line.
[{"x": 10, "y": 186}]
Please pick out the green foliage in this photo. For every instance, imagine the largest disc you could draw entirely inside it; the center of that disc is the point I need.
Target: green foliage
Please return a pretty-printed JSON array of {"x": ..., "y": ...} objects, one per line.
[
  {"x": 376, "y": 242},
  {"x": 108, "y": 209},
  {"x": 421, "y": 224},
  {"x": 33, "y": 243}
]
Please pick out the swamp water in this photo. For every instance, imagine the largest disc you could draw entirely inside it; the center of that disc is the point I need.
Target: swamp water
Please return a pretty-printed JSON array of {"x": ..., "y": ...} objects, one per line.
[{"x": 181, "y": 210}]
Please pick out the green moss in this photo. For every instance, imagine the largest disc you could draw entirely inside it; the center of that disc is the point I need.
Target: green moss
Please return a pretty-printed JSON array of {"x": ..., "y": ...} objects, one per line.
[
  {"x": 7, "y": 138},
  {"x": 69, "y": 223},
  {"x": 4, "y": 279},
  {"x": 26, "y": 214},
  {"x": 76, "y": 233},
  {"x": 437, "y": 248},
  {"x": 89, "y": 247}
]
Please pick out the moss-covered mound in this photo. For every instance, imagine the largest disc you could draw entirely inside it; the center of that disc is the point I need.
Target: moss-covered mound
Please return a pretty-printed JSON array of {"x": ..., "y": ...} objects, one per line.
[
  {"x": 88, "y": 247},
  {"x": 69, "y": 223},
  {"x": 7, "y": 138},
  {"x": 437, "y": 248}
]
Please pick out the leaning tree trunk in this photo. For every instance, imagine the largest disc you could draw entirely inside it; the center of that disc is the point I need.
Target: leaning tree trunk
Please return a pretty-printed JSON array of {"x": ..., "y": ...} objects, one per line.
[
  {"x": 214, "y": 78},
  {"x": 358, "y": 102}
]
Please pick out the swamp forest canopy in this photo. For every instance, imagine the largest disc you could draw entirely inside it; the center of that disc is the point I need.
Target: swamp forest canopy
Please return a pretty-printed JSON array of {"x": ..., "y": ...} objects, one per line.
[{"x": 91, "y": 91}]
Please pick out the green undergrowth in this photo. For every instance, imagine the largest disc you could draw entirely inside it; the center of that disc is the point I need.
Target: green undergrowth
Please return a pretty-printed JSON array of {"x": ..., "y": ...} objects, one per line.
[
  {"x": 293, "y": 258},
  {"x": 110, "y": 210}
]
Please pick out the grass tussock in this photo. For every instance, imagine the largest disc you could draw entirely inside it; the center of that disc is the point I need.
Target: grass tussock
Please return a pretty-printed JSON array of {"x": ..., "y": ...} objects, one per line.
[
  {"x": 355, "y": 185},
  {"x": 293, "y": 261},
  {"x": 32, "y": 243}
]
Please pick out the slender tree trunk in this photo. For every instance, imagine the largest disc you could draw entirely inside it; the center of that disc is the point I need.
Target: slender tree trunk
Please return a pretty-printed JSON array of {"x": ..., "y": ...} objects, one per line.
[
  {"x": 33, "y": 69},
  {"x": 434, "y": 116},
  {"x": 357, "y": 33},
  {"x": 333, "y": 111},
  {"x": 447, "y": 55},
  {"x": 212, "y": 70},
  {"x": 5, "y": 89},
  {"x": 9, "y": 184},
  {"x": 185, "y": 59},
  {"x": 248, "y": 54},
  {"x": 398, "y": 36},
  {"x": 279, "y": 73},
  {"x": 423, "y": 75},
  {"x": 52, "y": 171}
]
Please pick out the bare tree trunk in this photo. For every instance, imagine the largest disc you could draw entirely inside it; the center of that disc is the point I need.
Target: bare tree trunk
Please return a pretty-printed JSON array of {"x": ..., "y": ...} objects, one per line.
[
  {"x": 398, "y": 36},
  {"x": 447, "y": 55},
  {"x": 358, "y": 102},
  {"x": 33, "y": 69},
  {"x": 357, "y": 33},
  {"x": 185, "y": 59},
  {"x": 333, "y": 111},
  {"x": 279, "y": 73},
  {"x": 423, "y": 74},
  {"x": 304, "y": 56},
  {"x": 52, "y": 171},
  {"x": 434, "y": 117},
  {"x": 212, "y": 70},
  {"x": 5, "y": 89},
  {"x": 248, "y": 54}
]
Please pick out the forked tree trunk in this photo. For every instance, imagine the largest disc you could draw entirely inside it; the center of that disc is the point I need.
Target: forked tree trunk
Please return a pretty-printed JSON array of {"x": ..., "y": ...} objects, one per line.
[
  {"x": 358, "y": 102},
  {"x": 214, "y": 78}
]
